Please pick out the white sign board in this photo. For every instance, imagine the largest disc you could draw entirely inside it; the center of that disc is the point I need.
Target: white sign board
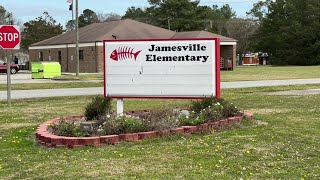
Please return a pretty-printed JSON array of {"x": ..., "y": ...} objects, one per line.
[{"x": 169, "y": 68}]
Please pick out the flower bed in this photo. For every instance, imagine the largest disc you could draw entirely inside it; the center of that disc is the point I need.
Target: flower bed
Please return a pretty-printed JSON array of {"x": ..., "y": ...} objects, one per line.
[
  {"x": 45, "y": 137},
  {"x": 100, "y": 125}
]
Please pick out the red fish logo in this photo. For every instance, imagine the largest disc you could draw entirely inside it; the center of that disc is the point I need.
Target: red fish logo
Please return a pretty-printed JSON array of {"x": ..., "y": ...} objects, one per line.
[{"x": 124, "y": 53}]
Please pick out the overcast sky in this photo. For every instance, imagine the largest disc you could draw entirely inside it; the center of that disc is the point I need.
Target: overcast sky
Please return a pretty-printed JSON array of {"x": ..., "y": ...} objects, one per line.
[{"x": 26, "y": 10}]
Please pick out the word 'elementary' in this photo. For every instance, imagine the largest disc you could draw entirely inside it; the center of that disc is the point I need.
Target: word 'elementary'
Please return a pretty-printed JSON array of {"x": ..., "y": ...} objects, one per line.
[{"x": 190, "y": 47}]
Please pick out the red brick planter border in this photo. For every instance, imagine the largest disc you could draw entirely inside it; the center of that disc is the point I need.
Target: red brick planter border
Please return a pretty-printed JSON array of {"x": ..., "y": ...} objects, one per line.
[{"x": 43, "y": 136}]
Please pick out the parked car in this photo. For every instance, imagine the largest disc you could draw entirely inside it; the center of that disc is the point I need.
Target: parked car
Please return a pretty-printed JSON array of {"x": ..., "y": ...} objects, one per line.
[{"x": 14, "y": 68}]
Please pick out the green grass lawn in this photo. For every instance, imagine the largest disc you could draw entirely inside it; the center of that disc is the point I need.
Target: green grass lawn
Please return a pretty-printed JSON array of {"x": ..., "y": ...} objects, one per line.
[
  {"x": 80, "y": 77},
  {"x": 254, "y": 73},
  {"x": 282, "y": 143}
]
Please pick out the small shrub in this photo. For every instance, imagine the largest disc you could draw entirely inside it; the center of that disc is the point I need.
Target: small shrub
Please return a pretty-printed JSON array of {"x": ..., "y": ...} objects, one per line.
[
  {"x": 214, "y": 109},
  {"x": 160, "y": 119},
  {"x": 111, "y": 125},
  {"x": 212, "y": 113},
  {"x": 130, "y": 124},
  {"x": 98, "y": 107},
  {"x": 67, "y": 128},
  {"x": 197, "y": 106},
  {"x": 229, "y": 109},
  {"x": 190, "y": 120}
]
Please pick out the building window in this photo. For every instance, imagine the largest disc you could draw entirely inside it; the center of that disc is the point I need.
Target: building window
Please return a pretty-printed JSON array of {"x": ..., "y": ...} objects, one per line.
[
  {"x": 41, "y": 56},
  {"x": 81, "y": 55},
  {"x": 59, "y": 57}
]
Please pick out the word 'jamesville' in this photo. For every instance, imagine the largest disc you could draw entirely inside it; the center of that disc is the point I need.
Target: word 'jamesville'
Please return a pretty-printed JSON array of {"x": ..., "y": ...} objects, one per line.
[{"x": 190, "y": 47}]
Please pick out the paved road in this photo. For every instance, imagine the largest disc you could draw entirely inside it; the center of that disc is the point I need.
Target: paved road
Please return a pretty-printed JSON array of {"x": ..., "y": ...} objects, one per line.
[{"x": 20, "y": 94}]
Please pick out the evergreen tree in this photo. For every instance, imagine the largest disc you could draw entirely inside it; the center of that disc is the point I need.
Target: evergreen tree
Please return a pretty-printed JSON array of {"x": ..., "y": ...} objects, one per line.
[
  {"x": 39, "y": 29},
  {"x": 88, "y": 17},
  {"x": 290, "y": 32},
  {"x": 4, "y": 16},
  {"x": 183, "y": 15}
]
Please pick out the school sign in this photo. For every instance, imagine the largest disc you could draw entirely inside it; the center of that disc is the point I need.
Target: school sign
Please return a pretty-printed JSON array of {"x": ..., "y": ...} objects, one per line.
[{"x": 166, "y": 68}]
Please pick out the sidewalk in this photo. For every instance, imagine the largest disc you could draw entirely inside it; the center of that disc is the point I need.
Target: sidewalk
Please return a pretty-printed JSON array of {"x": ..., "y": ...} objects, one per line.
[{"x": 20, "y": 94}]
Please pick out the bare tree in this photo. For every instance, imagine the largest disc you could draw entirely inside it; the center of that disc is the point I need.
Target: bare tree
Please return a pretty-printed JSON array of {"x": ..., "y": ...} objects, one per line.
[
  {"x": 105, "y": 17},
  {"x": 241, "y": 30}
]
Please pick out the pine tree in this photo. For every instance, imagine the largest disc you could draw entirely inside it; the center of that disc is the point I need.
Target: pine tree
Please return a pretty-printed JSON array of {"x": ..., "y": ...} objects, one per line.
[{"x": 290, "y": 32}]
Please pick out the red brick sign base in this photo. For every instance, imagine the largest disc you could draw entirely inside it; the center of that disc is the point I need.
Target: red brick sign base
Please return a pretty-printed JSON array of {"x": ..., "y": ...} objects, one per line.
[{"x": 48, "y": 139}]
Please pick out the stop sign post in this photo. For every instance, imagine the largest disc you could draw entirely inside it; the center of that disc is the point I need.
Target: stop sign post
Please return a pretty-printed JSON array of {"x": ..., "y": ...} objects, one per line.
[{"x": 10, "y": 38}]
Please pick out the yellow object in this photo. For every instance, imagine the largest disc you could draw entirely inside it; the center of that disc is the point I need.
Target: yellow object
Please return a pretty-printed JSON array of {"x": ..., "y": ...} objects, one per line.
[{"x": 45, "y": 70}]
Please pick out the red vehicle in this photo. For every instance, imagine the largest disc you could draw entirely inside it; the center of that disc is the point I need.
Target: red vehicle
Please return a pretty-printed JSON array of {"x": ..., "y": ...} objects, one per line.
[{"x": 14, "y": 68}]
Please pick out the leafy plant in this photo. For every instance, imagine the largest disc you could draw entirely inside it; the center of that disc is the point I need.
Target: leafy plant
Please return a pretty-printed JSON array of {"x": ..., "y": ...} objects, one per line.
[
  {"x": 98, "y": 107},
  {"x": 191, "y": 120},
  {"x": 197, "y": 106},
  {"x": 160, "y": 120},
  {"x": 111, "y": 125},
  {"x": 130, "y": 124},
  {"x": 212, "y": 113},
  {"x": 214, "y": 109},
  {"x": 229, "y": 109},
  {"x": 67, "y": 128}
]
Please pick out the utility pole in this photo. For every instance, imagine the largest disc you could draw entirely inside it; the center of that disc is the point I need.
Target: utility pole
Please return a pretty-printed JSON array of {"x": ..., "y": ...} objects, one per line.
[
  {"x": 169, "y": 23},
  {"x": 77, "y": 38},
  {"x": 72, "y": 11}
]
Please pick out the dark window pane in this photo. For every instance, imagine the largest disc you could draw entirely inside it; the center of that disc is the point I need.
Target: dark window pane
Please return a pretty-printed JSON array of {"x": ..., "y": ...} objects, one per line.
[
  {"x": 41, "y": 56},
  {"x": 81, "y": 55}
]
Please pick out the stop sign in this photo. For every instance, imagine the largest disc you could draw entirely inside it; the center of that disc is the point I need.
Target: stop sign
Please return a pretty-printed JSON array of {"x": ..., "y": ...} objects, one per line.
[{"x": 10, "y": 37}]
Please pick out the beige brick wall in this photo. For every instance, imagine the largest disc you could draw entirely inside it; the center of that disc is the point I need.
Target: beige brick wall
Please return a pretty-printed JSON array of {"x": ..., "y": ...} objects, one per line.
[{"x": 92, "y": 61}]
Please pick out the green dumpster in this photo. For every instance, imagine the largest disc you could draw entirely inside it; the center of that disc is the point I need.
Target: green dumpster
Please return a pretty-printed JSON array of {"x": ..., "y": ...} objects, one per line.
[{"x": 45, "y": 70}]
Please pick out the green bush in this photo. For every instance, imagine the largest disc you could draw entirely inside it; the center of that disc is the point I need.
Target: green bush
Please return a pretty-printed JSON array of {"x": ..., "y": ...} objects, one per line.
[
  {"x": 214, "y": 109},
  {"x": 229, "y": 109},
  {"x": 197, "y": 106},
  {"x": 98, "y": 107},
  {"x": 212, "y": 113},
  {"x": 111, "y": 125},
  {"x": 67, "y": 128},
  {"x": 191, "y": 120},
  {"x": 129, "y": 124}
]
